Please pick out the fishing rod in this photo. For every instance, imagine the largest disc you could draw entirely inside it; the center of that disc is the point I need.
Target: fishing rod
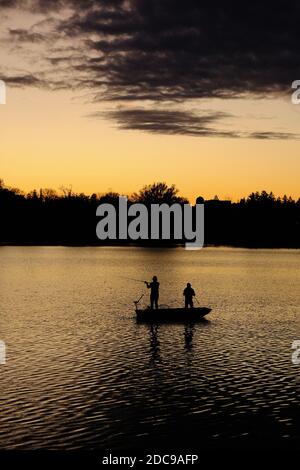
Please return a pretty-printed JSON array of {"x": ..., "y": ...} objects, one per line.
[
  {"x": 131, "y": 279},
  {"x": 197, "y": 300}
]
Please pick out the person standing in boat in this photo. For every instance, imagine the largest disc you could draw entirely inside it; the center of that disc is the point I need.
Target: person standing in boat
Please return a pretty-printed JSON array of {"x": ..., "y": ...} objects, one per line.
[
  {"x": 189, "y": 293},
  {"x": 154, "y": 295}
]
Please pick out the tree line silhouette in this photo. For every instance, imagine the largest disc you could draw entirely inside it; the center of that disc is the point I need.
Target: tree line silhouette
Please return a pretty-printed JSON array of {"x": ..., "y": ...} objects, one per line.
[{"x": 68, "y": 218}]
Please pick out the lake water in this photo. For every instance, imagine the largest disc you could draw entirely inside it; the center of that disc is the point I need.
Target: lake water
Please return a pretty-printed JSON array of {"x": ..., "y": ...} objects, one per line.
[{"x": 80, "y": 373}]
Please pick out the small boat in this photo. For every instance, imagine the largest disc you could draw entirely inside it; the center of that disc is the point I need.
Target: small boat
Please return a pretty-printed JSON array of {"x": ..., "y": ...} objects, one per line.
[{"x": 171, "y": 314}]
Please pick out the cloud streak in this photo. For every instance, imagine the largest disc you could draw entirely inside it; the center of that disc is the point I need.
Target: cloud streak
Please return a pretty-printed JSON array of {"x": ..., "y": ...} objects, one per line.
[
  {"x": 177, "y": 122},
  {"x": 170, "y": 122},
  {"x": 22, "y": 35}
]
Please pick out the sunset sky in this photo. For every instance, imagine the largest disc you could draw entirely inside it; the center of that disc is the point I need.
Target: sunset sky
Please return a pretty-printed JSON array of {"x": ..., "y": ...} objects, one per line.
[{"x": 112, "y": 95}]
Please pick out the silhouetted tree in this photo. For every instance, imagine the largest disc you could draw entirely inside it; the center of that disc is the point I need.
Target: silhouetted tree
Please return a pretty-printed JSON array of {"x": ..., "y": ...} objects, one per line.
[
  {"x": 109, "y": 198},
  {"x": 158, "y": 193},
  {"x": 47, "y": 217}
]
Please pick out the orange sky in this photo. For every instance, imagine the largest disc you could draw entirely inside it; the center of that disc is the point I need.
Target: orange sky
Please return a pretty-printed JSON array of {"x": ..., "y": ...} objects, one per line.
[{"x": 47, "y": 140}]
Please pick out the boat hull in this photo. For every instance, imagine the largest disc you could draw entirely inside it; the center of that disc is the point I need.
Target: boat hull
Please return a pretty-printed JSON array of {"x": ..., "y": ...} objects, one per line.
[{"x": 172, "y": 314}]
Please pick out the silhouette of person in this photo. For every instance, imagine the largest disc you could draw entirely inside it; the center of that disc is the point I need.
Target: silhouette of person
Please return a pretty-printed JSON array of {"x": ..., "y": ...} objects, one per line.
[
  {"x": 154, "y": 295},
  {"x": 189, "y": 293}
]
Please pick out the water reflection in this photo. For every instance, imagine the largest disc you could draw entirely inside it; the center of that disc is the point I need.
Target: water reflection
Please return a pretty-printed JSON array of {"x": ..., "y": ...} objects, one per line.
[
  {"x": 81, "y": 374},
  {"x": 188, "y": 336},
  {"x": 187, "y": 331},
  {"x": 154, "y": 344}
]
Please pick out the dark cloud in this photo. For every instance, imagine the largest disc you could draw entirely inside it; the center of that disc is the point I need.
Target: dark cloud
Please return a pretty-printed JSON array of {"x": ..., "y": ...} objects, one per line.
[
  {"x": 24, "y": 80},
  {"x": 168, "y": 49},
  {"x": 162, "y": 51},
  {"x": 23, "y": 35},
  {"x": 7, "y": 3},
  {"x": 169, "y": 122},
  {"x": 176, "y": 122},
  {"x": 55, "y": 5},
  {"x": 274, "y": 135}
]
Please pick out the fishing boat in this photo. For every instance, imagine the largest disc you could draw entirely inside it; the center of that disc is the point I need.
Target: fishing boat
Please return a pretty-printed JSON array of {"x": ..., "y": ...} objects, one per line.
[{"x": 171, "y": 314}]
